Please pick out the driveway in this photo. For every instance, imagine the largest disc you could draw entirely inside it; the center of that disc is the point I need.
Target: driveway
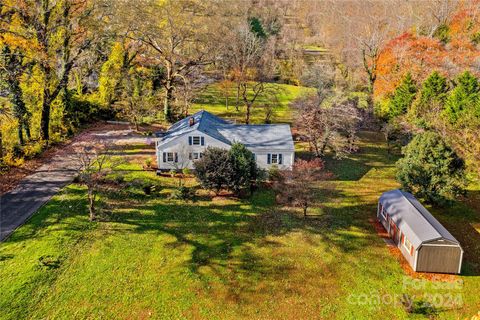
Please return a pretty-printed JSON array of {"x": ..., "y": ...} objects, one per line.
[{"x": 19, "y": 204}]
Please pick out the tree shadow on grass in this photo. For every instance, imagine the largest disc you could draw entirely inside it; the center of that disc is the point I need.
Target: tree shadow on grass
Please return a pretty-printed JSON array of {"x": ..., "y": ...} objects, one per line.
[{"x": 462, "y": 220}]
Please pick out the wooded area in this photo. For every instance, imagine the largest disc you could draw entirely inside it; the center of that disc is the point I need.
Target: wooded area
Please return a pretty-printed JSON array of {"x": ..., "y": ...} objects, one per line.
[{"x": 411, "y": 65}]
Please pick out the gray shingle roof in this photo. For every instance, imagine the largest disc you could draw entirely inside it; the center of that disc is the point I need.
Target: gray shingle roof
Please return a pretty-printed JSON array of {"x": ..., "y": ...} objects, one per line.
[
  {"x": 413, "y": 219},
  {"x": 268, "y": 136}
]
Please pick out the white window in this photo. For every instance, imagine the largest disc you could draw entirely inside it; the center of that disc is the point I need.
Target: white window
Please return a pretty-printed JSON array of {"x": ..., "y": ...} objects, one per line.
[
  {"x": 196, "y": 140},
  {"x": 407, "y": 245},
  {"x": 170, "y": 156},
  {"x": 383, "y": 212},
  {"x": 274, "y": 158},
  {"x": 195, "y": 155}
]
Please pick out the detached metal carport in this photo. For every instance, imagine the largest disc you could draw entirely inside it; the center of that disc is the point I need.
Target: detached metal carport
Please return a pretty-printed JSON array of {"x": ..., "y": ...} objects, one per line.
[{"x": 423, "y": 241}]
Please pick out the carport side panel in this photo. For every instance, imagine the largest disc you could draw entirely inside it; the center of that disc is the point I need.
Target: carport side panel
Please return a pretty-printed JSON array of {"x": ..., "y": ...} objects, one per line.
[{"x": 439, "y": 259}]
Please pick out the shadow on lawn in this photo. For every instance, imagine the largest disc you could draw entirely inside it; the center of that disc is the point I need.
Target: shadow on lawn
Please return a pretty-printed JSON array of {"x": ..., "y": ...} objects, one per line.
[
  {"x": 372, "y": 154},
  {"x": 216, "y": 230},
  {"x": 462, "y": 219}
]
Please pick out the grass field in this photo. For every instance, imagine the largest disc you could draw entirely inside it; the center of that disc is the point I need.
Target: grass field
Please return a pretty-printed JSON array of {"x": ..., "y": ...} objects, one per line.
[
  {"x": 157, "y": 258},
  {"x": 212, "y": 99}
]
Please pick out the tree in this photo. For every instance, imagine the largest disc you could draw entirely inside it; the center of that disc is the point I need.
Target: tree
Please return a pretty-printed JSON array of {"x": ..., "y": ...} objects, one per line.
[
  {"x": 233, "y": 170},
  {"x": 296, "y": 186},
  {"x": 94, "y": 164},
  {"x": 249, "y": 59},
  {"x": 434, "y": 90},
  {"x": 464, "y": 98},
  {"x": 178, "y": 35},
  {"x": 56, "y": 33},
  {"x": 403, "y": 97},
  {"x": 214, "y": 169},
  {"x": 11, "y": 70},
  {"x": 431, "y": 169},
  {"x": 244, "y": 167},
  {"x": 111, "y": 74},
  {"x": 325, "y": 126},
  {"x": 4, "y": 114}
]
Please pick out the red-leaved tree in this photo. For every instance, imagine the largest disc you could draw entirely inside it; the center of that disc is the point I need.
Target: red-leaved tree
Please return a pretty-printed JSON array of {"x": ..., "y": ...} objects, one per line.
[{"x": 296, "y": 186}]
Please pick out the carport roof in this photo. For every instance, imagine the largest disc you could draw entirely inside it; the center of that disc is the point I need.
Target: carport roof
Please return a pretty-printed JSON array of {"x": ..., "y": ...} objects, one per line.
[{"x": 413, "y": 219}]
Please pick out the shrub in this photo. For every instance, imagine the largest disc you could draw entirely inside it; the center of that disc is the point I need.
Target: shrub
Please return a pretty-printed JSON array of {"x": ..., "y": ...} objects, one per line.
[
  {"x": 182, "y": 193},
  {"x": 214, "y": 169},
  {"x": 243, "y": 167},
  {"x": 148, "y": 162},
  {"x": 33, "y": 150},
  {"x": 274, "y": 173},
  {"x": 233, "y": 170},
  {"x": 431, "y": 169},
  {"x": 119, "y": 179}
]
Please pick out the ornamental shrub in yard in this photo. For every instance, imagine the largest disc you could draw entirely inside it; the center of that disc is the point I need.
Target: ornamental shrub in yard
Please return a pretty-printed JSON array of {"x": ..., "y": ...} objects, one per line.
[
  {"x": 431, "y": 169},
  {"x": 233, "y": 169}
]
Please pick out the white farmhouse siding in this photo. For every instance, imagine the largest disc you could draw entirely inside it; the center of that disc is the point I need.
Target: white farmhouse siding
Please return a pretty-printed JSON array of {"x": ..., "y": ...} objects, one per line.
[
  {"x": 262, "y": 156},
  {"x": 180, "y": 145},
  {"x": 271, "y": 144}
]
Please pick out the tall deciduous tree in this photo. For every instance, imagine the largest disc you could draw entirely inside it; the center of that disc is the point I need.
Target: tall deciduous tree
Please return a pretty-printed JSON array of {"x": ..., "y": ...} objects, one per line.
[
  {"x": 325, "y": 126},
  {"x": 248, "y": 55},
  {"x": 4, "y": 115},
  {"x": 58, "y": 33},
  {"x": 11, "y": 70},
  {"x": 179, "y": 35}
]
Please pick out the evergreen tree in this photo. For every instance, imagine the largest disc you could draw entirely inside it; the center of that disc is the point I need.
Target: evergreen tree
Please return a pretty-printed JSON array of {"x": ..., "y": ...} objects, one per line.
[
  {"x": 463, "y": 99},
  {"x": 244, "y": 167},
  {"x": 403, "y": 97},
  {"x": 434, "y": 88},
  {"x": 432, "y": 96},
  {"x": 431, "y": 169}
]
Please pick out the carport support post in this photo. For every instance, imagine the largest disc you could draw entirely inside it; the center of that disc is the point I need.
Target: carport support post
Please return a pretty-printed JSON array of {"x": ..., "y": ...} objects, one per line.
[
  {"x": 416, "y": 259},
  {"x": 460, "y": 264}
]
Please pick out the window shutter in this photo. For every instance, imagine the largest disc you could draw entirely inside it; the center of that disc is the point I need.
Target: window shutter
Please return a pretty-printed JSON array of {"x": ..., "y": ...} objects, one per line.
[
  {"x": 190, "y": 140},
  {"x": 202, "y": 141},
  {"x": 411, "y": 250},
  {"x": 176, "y": 157},
  {"x": 280, "y": 158},
  {"x": 190, "y": 156},
  {"x": 269, "y": 158},
  {"x": 164, "y": 157}
]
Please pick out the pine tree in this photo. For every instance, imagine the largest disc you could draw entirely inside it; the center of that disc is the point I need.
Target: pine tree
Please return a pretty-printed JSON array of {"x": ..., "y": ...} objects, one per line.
[
  {"x": 431, "y": 169},
  {"x": 430, "y": 99},
  {"x": 434, "y": 88},
  {"x": 463, "y": 99},
  {"x": 403, "y": 97}
]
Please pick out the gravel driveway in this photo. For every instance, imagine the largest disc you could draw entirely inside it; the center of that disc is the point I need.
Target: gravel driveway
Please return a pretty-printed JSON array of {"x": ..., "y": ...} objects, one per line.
[{"x": 19, "y": 204}]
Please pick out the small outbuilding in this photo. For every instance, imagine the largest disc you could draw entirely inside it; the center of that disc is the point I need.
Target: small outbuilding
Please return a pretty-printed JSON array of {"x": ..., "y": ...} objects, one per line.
[{"x": 423, "y": 241}]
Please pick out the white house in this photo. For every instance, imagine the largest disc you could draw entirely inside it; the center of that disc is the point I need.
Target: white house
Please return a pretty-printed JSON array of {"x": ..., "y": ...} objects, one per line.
[{"x": 185, "y": 141}]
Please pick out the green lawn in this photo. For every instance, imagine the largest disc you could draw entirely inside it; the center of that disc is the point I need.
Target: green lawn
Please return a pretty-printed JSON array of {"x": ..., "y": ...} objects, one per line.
[
  {"x": 213, "y": 99},
  {"x": 222, "y": 259}
]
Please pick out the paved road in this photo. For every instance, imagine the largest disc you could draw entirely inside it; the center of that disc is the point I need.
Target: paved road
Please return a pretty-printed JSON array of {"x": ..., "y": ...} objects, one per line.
[{"x": 18, "y": 205}]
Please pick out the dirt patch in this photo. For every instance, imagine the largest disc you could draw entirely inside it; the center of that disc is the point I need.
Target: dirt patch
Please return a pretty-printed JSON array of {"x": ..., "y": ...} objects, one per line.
[{"x": 395, "y": 252}]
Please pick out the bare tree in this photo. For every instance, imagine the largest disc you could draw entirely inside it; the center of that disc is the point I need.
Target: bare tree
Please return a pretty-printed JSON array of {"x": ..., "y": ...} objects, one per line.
[
  {"x": 326, "y": 125},
  {"x": 94, "y": 164},
  {"x": 179, "y": 36},
  {"x": 296, "y": 186},
  {"x": 250, "y": 61}
]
